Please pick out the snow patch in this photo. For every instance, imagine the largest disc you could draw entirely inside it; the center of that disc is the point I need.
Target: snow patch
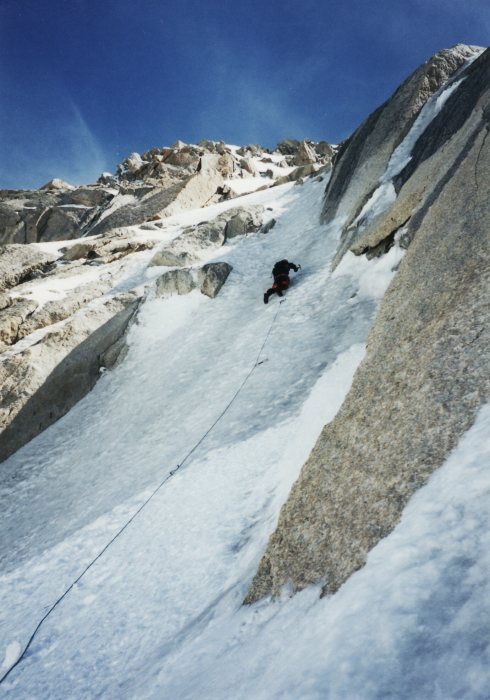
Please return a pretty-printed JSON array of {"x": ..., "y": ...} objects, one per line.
[
  {"x": 12, "y": 653},
  {"x": 372, "y": 277}
]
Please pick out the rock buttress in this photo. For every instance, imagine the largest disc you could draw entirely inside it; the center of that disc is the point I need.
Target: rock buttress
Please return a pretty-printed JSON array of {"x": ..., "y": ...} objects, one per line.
[{"x": 424, "y": 377}]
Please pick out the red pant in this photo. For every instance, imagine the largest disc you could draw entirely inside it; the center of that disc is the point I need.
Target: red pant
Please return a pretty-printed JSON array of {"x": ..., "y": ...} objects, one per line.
[{"x": 282, "y": 282}]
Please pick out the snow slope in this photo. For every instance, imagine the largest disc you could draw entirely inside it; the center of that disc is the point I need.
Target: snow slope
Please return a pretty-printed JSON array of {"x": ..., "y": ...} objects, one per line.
[{"x": 160, "y": 614}]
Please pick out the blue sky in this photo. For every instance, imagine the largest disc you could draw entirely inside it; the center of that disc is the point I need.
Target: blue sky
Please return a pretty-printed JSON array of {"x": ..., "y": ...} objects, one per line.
[{"x": 83, "y": 83}]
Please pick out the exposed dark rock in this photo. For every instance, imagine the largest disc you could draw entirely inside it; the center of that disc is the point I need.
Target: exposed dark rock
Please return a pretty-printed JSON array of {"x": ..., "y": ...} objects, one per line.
[{"x": 268, "y": 226}]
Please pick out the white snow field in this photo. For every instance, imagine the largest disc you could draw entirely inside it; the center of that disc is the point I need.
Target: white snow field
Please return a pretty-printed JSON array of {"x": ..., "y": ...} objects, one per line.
[{"x": 160, "y": 614}]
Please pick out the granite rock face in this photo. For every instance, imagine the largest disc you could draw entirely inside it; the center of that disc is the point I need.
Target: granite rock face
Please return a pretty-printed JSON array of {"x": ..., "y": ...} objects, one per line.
[
  {"x": 194, "y": 243},
  {"x": 54, "y": 311},
  {"x": 362, "y": 159},
  {"x": 41, "y": 383},
  {"x": 427, "y": 367},
  {"x": 180, "y": 281},
  {"x": 12, "y": 318},
  {"x": 243, "y": 220},
  {"x": 212, "y": 277},
  {"x": 18, "y": 261},
  {"x": 192, "y": 193},
  {"x": 52, "y": 213}
]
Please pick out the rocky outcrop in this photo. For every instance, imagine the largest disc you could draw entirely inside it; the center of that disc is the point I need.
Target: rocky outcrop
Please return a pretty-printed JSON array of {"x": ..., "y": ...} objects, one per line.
[
  {"x": 158, "y": 184},
  {"x": 426, "y": 371},
  {"x": 106, "y": 249},
  {"x": 192, "y": 193},
  {"x": 198, "y": 241},
  {"x": 192, "y": 245},
  {"x": 175, "y": 281},
  {"x": 212, "y": 277},
  {"x": 249, "y": 166},
  {"x": 17, "y": 262},
  {"x": 305, "y": 154},
  {"x": 243, "y": 220},
  {"x": 288, "y": 147},
  {"x": 363, "y": 158},
  {"x": 268, "y": 226},
  {"x": 53, "y": 213},
  {"x": 303, "y": 171},
  {"x": 54, "y": 311},
  {"x": 12, "y": 318},
  {"x": 166, "y": 166},
  {"x": 41, "y": 383}
]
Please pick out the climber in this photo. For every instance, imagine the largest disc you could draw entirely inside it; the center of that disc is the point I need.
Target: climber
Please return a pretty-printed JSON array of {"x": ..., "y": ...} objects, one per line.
[{"x": 281, "y": 278}]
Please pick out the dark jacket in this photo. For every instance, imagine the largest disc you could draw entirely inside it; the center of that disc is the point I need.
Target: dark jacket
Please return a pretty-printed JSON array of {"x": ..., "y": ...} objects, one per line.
[{"x": 281, "y": 269}]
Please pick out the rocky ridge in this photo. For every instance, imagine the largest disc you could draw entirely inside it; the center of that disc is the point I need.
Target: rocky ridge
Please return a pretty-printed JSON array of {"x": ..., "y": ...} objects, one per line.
[{"x": 152, "y": 187}]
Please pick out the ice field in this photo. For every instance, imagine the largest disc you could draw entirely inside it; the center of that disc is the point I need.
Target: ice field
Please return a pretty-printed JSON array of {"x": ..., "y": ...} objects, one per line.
[{"x": 159, "y": 615}]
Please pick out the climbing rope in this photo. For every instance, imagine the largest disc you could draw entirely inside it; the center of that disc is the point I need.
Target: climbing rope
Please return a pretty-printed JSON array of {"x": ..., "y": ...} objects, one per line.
[{"x": 147, "y": 500}]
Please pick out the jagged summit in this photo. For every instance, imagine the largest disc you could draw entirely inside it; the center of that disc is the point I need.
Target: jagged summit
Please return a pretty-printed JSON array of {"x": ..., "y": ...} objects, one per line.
[
  {"x": 154, "y": 185},
  {"x": 165, "y": 166}
]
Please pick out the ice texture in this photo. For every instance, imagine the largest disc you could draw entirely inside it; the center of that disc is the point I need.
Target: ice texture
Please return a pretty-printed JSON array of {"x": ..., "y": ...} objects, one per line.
[{"x": 160, "y": 614}]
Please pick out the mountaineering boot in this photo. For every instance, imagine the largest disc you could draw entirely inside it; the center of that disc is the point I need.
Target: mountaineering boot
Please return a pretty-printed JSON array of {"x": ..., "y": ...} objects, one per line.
[
  {"x": 266, "y": 298},
  {"x": 279, "y": 292}
]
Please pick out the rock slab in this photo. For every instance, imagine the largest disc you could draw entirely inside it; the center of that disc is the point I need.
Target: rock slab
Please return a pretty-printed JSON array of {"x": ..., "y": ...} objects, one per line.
[
  {"x": 425, "y": 375},
  {"x": 40, "y": 384},
  {"x": 212, "y": 277}
]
